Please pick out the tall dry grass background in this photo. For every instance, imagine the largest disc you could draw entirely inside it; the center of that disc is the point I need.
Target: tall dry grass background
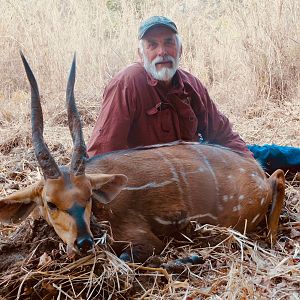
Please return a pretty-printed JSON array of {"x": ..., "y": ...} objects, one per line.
[{"x": 247, "y": 53}]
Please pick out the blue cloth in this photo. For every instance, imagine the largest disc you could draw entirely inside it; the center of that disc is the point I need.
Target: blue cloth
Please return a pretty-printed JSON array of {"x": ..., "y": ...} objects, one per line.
[{"x": 273, "y": 157}]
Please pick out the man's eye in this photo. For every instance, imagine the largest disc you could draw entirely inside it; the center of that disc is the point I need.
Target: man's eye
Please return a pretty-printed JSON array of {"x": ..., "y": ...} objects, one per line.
[
  {"x": 51, "y": 205},
  {"x": 170, "y": 42},
  {"x": 151, "y": 45}
]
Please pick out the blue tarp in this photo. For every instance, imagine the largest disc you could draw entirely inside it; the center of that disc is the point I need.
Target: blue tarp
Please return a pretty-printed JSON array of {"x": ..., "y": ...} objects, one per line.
[{"x": 273, "y": 157}]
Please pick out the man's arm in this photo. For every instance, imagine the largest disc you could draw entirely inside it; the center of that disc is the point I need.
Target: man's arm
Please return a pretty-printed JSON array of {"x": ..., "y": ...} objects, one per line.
[
  {"x": 112, "y": 127},
  {"x": 216, "y": 128}
]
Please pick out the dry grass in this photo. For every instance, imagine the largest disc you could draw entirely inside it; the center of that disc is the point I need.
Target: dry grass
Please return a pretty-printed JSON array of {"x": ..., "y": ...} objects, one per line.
[
  {"x": 234, "y": 267},
  {"x": 247, "y": 53}
]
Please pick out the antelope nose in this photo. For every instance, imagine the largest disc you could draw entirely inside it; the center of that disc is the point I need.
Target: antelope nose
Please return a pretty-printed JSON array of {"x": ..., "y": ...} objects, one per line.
[{"x": 84, "y": 243}]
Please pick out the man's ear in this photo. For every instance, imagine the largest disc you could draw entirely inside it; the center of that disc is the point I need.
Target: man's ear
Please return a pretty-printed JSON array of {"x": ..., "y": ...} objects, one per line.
[
  {"x": 107, "y": 187},
  {"x": 17, "y": 206},
  {"x": 180, "y": 51},
  {"x": 140, "y": 54}
]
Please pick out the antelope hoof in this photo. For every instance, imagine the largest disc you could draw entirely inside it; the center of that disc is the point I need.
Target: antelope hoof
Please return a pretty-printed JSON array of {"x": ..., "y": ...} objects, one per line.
[
  {"x": 179, "y": 264},
  {"x": 125, "y": 257}
]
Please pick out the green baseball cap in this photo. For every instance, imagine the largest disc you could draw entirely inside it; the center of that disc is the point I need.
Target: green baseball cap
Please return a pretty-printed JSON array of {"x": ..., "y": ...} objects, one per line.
[{"x": 156, "y": 21}]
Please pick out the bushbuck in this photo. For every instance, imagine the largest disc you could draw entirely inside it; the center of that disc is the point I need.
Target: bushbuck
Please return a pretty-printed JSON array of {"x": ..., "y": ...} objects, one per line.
[{"x": 145, "y": 193}]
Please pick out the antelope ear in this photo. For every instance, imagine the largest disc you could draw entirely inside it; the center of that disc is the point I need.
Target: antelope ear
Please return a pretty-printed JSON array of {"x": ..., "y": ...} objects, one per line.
[
  {"x": 17, "y": 206},
  {"x": 107, "y": 187}
]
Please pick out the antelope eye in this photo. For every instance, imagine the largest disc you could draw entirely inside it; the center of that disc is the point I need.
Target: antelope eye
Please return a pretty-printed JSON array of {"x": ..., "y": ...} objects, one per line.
[{"x": 51, "y": 205}]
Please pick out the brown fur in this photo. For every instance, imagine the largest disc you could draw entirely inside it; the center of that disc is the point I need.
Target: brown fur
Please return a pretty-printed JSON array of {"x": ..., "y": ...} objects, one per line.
[{"x": 167, "y": 186}]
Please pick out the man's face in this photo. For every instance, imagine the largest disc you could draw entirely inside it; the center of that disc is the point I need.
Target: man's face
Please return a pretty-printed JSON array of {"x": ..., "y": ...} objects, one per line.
[{"x": 160, "y": 53}]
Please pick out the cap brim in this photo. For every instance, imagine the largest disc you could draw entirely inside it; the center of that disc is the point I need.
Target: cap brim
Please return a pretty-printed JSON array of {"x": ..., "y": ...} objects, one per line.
[{"x": 141, "y": 34}]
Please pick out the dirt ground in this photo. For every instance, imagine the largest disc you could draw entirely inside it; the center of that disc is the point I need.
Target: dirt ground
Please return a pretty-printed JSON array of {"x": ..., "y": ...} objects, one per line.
[{"x": 34, "y": 264}]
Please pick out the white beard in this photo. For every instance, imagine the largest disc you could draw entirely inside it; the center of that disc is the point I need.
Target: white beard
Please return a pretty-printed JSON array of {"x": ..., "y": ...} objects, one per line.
[{"x": 165, "y": 73}]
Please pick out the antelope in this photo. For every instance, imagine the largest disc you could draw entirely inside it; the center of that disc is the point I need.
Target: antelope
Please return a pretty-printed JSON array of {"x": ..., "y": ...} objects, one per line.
[{"x": 145, "y": 193}]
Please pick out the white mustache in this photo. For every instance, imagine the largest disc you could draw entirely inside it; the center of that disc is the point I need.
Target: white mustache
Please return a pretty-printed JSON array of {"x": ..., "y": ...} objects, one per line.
[{"x": 161, "y": 59}]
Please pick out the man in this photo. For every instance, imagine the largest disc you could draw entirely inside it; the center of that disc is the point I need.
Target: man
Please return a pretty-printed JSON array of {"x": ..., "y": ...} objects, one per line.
[{"x": 153, "y": 101}]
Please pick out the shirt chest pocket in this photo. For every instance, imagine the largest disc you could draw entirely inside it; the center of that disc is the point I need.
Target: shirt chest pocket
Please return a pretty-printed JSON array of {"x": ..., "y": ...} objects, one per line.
[
  {"x": 188, "y": 122},
  {"x": 162, "y": 120},
  {"x": 173, "y": 122}
]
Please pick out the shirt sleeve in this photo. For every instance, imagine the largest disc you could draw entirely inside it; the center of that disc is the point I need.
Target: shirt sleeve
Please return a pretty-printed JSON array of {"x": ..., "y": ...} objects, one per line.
[
  {"x": 113, "y": 124},
  {"x": 215, "y": 127}
]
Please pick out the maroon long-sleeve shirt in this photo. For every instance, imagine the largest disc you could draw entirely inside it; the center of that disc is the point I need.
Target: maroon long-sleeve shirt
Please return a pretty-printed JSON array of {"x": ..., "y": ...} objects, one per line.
[{"x": 138, "y": 110}]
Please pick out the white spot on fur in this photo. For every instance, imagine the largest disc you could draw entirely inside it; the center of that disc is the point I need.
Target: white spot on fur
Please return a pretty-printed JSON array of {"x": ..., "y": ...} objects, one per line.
[
  {"x": 236, "y": 208},
  {"x": 242, "y": 170},
  {"x": 225, "y": 198},
  {"x": 241, "y": 197},
  {"x": 162, "y": 221},
  {"x": 231, "y": 197},
  {"x": 262, "y": 201},
  {"x": 255, "y": 218},
  {"x": 229, "y": 176},
  {"x": 142, "y": 217}
]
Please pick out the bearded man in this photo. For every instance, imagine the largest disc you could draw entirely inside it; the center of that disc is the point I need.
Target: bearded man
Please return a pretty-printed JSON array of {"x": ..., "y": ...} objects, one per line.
[{"x": 154, "y": 101}]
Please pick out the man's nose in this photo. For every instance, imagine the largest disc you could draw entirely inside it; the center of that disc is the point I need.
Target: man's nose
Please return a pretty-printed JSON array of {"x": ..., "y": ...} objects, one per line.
[{"x": 162, "y": 50}]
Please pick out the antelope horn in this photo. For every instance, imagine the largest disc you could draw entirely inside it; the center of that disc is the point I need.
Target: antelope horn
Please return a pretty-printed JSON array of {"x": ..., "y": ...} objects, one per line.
[
  {"x": 42, "y": 153},
  {"x": 79, "y": 152}
]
